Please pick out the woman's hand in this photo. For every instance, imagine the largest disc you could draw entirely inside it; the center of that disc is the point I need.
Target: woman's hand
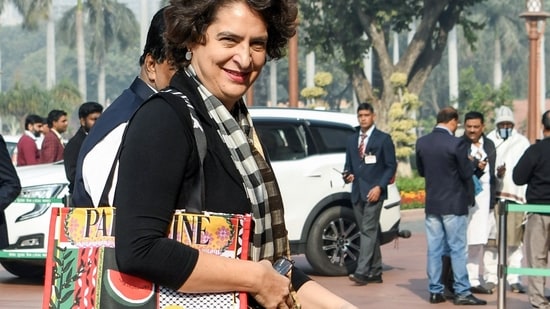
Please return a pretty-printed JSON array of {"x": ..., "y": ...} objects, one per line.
[
  {"x": 273, "y": 289},
  {"x": 313, "y": 295}
]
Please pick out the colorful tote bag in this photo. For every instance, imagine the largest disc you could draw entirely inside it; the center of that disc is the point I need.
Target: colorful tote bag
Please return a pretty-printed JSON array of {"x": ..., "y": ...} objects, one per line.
[{"x": 81, "y": 270}]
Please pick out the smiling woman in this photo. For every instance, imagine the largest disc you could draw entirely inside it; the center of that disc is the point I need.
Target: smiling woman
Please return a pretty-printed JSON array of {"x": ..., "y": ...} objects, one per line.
[{"x": 226, "y": 43}]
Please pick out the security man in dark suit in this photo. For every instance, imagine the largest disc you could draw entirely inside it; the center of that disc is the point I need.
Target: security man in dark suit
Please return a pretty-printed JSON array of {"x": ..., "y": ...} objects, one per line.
[{"x": 370, "y": 166}]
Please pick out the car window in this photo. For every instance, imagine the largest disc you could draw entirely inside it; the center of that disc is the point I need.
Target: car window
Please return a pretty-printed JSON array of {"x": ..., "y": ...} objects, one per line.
[
  {"x": 283, "y": 141},
  {"x": 11, "y": 147},
  {"x": 329, "y": 138}
]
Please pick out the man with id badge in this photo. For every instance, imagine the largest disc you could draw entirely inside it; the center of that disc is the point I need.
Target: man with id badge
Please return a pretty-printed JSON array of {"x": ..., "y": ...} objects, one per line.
[{"x": 370, "y": 166}]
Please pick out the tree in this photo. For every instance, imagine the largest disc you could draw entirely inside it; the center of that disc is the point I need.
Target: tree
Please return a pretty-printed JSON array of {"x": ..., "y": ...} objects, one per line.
[
  {"x": 2, "y": 4},
  {"x": 23, "y": 55},
  {"x": 71, "y": 30},
  {"x": 493, "y": 64},
  {"x": 337, "y": 29},
  {"x": 109, "y": 22},
  {"x": 21, "y": 100},
  {"x": 482, "y": 97},
  {"x": 313, "y": 94},
  {"x": 501, "y": 20},
  {"x": 402, "y": 125},
  {"x": 33, "y": 12}
]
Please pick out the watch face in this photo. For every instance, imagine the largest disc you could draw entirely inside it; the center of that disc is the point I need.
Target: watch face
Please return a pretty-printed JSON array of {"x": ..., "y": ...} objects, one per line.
[{"x": 283, "y": 265}]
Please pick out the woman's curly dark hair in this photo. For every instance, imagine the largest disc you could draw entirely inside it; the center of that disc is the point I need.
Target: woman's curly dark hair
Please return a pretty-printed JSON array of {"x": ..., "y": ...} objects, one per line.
[{"x": 187, "y": 21}]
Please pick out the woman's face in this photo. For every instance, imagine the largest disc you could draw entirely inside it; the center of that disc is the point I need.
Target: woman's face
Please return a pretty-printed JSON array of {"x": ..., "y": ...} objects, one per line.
[{"x": 233, "y": 54}]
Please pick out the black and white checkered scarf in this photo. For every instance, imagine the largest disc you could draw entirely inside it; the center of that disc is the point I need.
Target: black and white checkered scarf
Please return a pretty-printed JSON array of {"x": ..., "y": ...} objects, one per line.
[{"x": 269, "y": 239}]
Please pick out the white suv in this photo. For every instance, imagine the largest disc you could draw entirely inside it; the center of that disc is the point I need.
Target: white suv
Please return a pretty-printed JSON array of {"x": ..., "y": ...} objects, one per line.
[{"x": 307, "y": 152}]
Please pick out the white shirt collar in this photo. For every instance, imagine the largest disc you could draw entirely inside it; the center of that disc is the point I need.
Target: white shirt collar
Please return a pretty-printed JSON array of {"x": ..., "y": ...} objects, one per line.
[
  {"x": 444, "y": 128},
  {"x": 369, "y": 131},
  {"x": 56, "y": 133},
  {"x": 30, "y": 134}
]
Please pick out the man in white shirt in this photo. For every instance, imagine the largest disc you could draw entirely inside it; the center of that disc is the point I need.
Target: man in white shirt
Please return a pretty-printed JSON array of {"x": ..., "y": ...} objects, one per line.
[
  {"x": 52, "y": 146},
  {"x": 510, "y": 146},
  {"x": 27, "y": 147}
]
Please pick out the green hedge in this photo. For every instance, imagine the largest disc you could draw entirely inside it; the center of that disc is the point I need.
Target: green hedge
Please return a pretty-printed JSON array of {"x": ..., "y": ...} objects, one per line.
[
  {"x": 412, "y": 191},
  {"x": 410, "y": 184}
]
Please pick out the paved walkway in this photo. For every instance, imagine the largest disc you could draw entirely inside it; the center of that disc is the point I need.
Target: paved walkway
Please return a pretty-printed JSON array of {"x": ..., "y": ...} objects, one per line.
[{"x": 405, "y": 281}]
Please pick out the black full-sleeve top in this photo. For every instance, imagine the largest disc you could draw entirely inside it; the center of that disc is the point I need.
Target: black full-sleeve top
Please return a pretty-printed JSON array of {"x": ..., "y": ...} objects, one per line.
[{"x": 157, "y": 160}]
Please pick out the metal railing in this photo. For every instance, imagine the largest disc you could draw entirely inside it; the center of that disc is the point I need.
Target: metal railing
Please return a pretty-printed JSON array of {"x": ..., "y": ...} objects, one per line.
[{"x": 503, "y": 269}]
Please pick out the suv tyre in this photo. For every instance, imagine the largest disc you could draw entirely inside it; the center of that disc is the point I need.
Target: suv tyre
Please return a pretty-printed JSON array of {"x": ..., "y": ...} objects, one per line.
[{"x": 333, "y": 242}]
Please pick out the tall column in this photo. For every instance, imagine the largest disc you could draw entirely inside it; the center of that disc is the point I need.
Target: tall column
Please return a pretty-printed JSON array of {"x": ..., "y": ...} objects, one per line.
[
  {"x": 452, "y": 47},
  {"x": 1, "y": 72},
  {"x": 250, "y": 96},
  {"x": 395, "y": 36},
  {"x": 273, "y": 83},
  {"x": 50, "y": 50},
  {"x": 535, "y": 21},
  {"x": 293, "y": 71},
  {"x": 542, "y": 76},
  {"x": 534, "y": 85},
  {"x": 310, "y": 69},
  {"x": 143, "y": 22}
]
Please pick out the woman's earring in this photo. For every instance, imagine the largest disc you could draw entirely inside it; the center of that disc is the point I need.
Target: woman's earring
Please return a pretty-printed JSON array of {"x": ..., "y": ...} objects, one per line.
[{"x": 188, "y": 55}]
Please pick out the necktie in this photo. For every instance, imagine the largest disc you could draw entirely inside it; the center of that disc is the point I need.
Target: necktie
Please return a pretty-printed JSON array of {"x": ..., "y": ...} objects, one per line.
[{"x": 361, "y": 147}]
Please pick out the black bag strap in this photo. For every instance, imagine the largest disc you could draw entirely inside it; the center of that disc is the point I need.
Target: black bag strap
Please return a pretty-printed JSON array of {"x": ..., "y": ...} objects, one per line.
[
  {"x": 187, "y": 114},
  {"x": 104, "y": 198}
]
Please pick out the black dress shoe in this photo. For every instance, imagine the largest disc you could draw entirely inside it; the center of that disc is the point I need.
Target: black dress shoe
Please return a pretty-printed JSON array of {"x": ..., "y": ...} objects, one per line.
[
  {"x": 480, "y": 289},
  {"x": 436, "y": 298},
  {"x": 491, "y": 285},
  {"x": 468, "y": 300},
  {"x": 517, "y": 288},
  {"x": 358, "y": 279},
  {"x": 374, "y": 278},
  {"x": 448, "y": 294}
]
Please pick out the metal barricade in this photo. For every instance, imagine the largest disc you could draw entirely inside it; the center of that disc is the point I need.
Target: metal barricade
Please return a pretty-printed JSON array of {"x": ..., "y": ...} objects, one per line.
[{"x": 503, "y": 269}]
